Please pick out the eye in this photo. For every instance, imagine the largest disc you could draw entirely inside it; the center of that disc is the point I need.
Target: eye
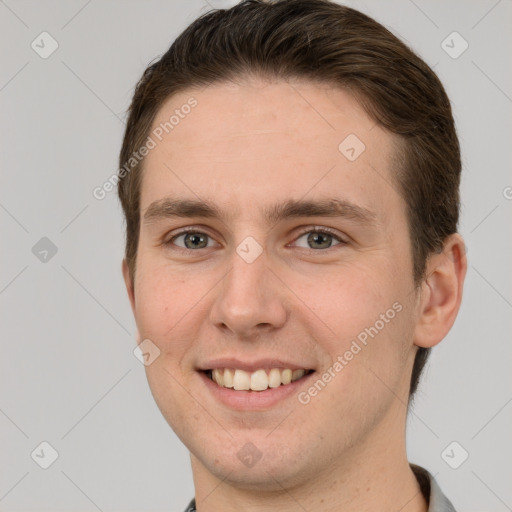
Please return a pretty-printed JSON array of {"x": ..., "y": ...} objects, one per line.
[
  {"x": 319, "y": 238},
  {"x": 315, "y": 239},
  {"x": 191, "y": 240}
]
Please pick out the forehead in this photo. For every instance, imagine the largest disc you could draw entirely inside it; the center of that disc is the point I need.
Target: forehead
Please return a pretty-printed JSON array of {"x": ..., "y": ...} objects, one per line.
[{"x": 258, "y": 141}]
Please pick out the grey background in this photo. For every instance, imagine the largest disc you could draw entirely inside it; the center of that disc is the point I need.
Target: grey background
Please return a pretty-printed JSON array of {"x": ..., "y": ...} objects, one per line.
[{"x": 68, "y": 374}]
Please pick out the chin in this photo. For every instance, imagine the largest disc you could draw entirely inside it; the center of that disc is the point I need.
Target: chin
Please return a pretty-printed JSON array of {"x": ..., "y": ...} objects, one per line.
[{"x": 240, "y": 463}]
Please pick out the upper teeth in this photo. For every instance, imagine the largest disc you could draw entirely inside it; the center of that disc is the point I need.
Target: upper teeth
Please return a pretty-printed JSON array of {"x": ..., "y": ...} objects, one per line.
[{"x": 256, "y": 381}]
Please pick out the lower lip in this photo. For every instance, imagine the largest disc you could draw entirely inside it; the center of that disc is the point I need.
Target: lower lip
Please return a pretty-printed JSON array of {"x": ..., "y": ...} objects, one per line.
[{"x": 253, "y": 400}]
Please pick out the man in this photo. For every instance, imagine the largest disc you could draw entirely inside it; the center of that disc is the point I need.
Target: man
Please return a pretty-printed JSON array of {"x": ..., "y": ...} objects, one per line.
[{"x": 289, "y": 176}]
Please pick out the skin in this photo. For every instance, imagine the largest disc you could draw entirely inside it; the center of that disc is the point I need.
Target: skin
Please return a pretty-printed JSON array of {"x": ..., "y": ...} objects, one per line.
[{"x": 243, "y": 147}]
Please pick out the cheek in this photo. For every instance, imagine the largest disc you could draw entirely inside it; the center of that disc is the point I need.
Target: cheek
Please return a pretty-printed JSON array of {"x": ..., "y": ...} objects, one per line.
[
  {"x": 378, "y": 371},
  {"x": 163, "y": 302},
  {"x": 347, "y": 298},
  {"x": 361, "y": 315}
]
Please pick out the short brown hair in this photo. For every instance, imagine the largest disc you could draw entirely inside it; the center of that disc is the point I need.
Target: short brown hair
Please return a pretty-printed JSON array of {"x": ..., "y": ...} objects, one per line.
[{"x": 321, "y": 41}]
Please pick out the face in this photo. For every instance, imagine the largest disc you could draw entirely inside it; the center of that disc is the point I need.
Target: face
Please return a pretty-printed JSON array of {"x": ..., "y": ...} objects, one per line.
[{"x": 302, "y": 261}]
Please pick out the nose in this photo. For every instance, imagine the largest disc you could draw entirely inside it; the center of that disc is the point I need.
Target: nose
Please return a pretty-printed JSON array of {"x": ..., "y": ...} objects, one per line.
[{"x": 251, "y": 300}]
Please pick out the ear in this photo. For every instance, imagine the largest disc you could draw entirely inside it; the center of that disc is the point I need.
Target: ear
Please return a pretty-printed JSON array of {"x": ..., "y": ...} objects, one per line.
[
  {"x": 441, "y": 292},
  {"x": 131, "y": 295},
  {"x": 129, "y": 284}
]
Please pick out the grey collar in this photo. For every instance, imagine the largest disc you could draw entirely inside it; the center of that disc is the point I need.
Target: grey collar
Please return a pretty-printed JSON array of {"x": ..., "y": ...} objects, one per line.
[{"x": 437, "y": 501}]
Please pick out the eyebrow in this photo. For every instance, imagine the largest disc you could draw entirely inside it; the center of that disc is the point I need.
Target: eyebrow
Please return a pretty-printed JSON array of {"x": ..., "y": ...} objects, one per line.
[{"x": 189, "y": 208}]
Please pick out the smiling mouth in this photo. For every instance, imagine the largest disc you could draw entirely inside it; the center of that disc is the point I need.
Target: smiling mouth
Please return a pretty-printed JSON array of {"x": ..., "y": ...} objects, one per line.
[{"x": 259, "y": 380}]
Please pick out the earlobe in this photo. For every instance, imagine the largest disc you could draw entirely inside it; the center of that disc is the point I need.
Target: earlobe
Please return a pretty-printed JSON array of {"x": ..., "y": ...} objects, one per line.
[{"x": 441, "y": 293}]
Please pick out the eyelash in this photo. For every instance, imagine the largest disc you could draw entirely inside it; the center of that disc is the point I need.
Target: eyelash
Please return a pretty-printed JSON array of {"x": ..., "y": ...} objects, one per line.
[{"x": 323, "y": 231}]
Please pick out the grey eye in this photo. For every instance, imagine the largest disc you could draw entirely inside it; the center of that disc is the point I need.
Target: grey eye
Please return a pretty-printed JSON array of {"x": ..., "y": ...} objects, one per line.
[
  {"x": 193, "y": 240},
  {"x": 318, "y": 240}
]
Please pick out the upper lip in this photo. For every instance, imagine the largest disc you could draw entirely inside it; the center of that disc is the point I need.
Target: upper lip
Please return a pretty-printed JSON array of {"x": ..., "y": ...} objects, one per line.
[{"x": 250, "y": 366}]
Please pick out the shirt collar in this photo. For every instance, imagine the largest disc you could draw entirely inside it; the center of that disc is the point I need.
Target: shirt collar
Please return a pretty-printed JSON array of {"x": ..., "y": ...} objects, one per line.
[{"x": 437, "y": 501}]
